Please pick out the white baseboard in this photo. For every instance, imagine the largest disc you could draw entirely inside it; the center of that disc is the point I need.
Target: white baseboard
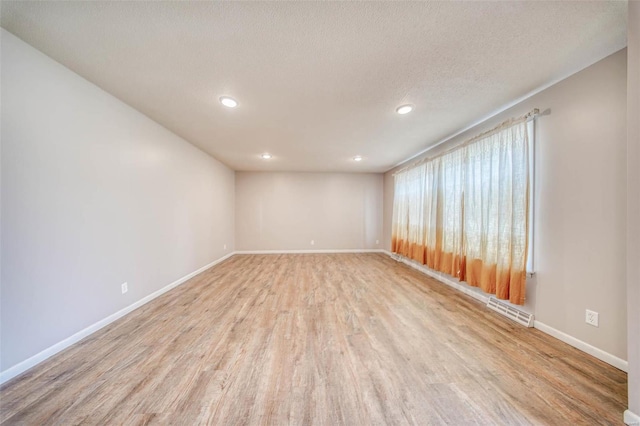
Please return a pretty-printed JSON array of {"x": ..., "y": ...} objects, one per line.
[
  {"x": 631, "y": 418},
  {"x": 309, "y": 251},
  {"x": 570, "y": 340},
  {"x": 23, "y": 366},
  {"x": 583, "y": 346}
]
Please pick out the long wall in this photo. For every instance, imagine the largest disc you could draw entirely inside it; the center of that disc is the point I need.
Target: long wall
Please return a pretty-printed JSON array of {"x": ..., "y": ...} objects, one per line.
[
  {"x": 580, "y": 203},
  {"x": 94, "y": 194},
  {"x": 287, "y": 211}
]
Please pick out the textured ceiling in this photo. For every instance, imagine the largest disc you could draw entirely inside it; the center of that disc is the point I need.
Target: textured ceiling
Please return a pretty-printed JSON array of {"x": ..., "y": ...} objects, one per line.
[{"x": 318, "y": 82}]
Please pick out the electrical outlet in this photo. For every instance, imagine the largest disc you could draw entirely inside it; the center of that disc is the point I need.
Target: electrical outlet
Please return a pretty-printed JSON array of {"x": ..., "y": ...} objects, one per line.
[
  {"x": 225, "y": 247},
  {"x": 377, "y": 241},
  {"x": 591, "y": 318},
  {"x": 125, "y": 288},
  {"x": 312, "y": 242}
]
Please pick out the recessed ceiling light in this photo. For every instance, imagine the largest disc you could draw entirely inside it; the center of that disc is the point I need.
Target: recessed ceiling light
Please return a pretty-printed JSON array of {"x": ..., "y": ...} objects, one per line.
[
  {"x": 357, "y": 158},
  {"x": 228, "y": 102},
  {"x": 404, "y": 109},
  {"x": 266, "y": 156}
]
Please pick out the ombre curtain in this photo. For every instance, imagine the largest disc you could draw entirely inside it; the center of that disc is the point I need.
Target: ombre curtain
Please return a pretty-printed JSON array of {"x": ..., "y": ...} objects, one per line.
[
  {"x": 446, "y": 251},
  {"x": 496, "y": 201},
  {"x": 465, "y": 213},
  {"x": 409, "y": 198}
]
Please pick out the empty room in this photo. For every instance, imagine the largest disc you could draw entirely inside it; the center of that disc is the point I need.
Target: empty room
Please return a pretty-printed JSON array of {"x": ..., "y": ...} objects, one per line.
[{"x": 327, "y": 213}]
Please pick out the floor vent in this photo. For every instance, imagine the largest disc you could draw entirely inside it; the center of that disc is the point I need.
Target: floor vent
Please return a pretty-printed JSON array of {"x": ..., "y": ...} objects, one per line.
[{"x": 510, "y": 312}]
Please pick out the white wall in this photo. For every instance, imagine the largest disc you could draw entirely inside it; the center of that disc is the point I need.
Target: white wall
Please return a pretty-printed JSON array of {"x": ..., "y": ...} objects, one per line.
[
  {"x": 285, "y": 211},
  {"x": 580, "y": 198},
  {"x": 633, "y": 206},
  {"x": 93, "y": 194}
]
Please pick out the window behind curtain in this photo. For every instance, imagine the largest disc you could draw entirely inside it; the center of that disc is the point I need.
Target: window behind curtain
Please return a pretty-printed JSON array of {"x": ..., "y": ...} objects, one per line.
[{"x": 466, "y": 213}]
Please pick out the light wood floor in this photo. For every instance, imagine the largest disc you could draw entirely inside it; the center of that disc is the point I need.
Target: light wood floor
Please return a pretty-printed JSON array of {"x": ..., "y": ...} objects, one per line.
[{"x": 353, "y": 339}]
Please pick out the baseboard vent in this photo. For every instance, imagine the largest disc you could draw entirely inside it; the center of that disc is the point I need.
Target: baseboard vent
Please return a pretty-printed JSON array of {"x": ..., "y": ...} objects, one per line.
[{"x": 510, "y": 312}]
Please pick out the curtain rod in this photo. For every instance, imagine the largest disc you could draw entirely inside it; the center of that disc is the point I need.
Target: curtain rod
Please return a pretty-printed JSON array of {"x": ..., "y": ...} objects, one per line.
[{"x": 508, "y": 123}]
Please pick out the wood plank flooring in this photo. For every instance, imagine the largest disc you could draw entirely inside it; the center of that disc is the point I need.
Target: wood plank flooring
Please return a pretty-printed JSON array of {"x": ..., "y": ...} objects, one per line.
[{"x": 351, "y": 339}]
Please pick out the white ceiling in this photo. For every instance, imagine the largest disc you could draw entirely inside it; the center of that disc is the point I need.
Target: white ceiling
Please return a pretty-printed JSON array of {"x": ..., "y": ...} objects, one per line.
[{"x": 318, "y": 82}]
